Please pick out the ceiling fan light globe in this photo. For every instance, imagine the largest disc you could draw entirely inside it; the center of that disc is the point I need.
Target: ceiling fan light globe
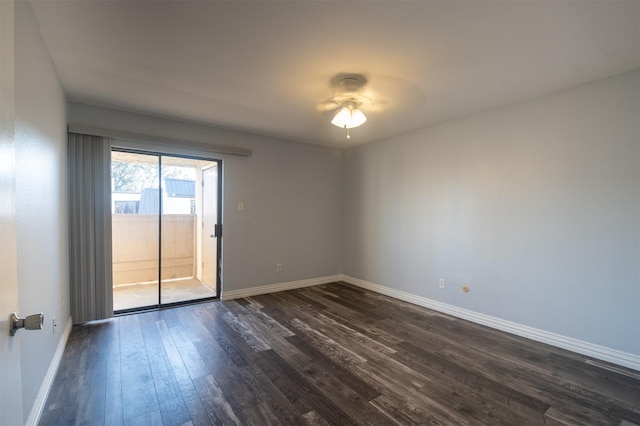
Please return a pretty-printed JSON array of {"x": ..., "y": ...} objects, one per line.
[
  {"x": 348, "y": 118},
  {"x": 342, "y": 117},
  {"x": 357, "y": 118}
]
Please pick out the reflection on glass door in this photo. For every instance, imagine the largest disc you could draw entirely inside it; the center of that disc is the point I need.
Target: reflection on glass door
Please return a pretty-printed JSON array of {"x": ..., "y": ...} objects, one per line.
[{"x": 161, "y": 227}]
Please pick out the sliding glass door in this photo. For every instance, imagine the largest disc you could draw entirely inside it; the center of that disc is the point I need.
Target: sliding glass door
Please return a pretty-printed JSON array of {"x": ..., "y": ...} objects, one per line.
[{"x": 166, "y": 226}]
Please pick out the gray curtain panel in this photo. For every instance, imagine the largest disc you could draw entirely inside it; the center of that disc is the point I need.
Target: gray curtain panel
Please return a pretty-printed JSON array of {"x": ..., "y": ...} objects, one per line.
[{"x": 90, "y": 227}]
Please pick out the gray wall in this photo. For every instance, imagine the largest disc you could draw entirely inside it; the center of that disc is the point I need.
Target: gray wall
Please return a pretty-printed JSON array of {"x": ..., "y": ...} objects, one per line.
[
  {"x": 292, "y": 196},
  {"x": 535, "y": 206},
  {"x": 41, "y": 199}
]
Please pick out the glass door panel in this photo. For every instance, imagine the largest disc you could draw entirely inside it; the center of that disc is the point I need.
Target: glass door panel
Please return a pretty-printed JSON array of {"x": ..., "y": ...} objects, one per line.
[
  {"x": 182, "y": 230},
  {"x": 135, "y": 204},
  {"x": 171, "y": 233}
]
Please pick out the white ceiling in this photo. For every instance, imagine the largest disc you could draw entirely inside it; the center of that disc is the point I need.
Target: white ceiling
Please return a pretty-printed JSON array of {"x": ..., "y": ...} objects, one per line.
[{"x": 264, "y": 66}]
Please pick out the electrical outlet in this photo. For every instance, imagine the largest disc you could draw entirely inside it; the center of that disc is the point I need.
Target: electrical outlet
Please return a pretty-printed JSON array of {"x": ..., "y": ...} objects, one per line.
[
  {"x": 278, "y": 267},
  {"x": 441, "y": 283}
]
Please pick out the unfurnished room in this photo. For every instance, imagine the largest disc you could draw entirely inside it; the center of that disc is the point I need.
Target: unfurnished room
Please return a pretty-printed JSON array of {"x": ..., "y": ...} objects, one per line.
[{"x": 320, "y": 212}]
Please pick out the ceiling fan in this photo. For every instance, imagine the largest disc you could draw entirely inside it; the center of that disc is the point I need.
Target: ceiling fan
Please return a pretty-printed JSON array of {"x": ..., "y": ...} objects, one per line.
[
  {"x": 355, "y": 95},
  {"x": 348, "y": 99}
]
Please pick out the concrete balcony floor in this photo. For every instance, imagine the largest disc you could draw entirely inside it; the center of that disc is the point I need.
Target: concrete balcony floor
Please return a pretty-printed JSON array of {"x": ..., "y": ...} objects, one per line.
[{"x": 146, "y": 294}]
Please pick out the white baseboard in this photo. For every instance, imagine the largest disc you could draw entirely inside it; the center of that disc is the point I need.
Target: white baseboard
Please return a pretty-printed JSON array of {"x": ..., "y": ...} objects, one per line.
[
  {"x": 43, "y": 393},
  {"x": 272, "y": 288},
  {"x": 585, "y": 348}
]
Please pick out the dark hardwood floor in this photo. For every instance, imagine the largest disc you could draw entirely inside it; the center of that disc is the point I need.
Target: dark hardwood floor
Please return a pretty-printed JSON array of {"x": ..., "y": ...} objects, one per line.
[{"x": 331, "y": 354}]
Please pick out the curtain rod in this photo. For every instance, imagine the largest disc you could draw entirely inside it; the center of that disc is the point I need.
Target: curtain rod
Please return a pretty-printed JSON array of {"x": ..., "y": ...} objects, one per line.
[{"x": 160, "y": 140}]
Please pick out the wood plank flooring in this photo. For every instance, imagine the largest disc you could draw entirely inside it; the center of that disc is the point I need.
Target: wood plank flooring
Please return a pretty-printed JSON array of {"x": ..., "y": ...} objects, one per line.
[{"x": 327, "y": 355}]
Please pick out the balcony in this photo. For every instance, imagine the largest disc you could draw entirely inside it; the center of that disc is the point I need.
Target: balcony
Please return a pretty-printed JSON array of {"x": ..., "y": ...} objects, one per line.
[{"x": 136, "y": 260}]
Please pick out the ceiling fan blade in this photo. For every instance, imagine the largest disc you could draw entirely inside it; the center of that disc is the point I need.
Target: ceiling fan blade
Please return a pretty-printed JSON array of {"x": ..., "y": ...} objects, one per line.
[{"x": 329, "y": 105}]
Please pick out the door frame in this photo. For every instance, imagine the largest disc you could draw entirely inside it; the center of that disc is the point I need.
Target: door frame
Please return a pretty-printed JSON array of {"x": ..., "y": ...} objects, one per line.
[{"x": 219, "y": 227}]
